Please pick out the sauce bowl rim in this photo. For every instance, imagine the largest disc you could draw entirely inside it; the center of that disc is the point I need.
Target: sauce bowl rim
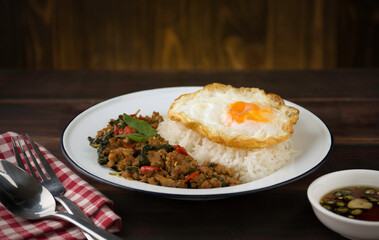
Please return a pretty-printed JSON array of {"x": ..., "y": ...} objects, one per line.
[{"x": 315, "y": 201}]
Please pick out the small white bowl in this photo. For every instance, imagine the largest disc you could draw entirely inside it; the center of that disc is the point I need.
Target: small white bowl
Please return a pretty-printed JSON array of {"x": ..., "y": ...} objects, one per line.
[{"x": 349, "y": 228}]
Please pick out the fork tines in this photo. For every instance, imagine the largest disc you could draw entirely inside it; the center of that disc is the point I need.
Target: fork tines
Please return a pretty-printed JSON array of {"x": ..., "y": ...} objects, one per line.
[
  {"x": 32, "y": 157},
  {"x": 20, "y": 163}
]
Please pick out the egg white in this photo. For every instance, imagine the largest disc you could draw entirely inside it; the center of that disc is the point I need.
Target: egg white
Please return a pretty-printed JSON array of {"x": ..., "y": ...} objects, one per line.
[{"x": 206, "y": 112}]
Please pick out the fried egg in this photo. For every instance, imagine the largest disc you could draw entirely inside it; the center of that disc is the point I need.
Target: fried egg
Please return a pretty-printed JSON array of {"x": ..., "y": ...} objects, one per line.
[{"x": 236, "y": 117}]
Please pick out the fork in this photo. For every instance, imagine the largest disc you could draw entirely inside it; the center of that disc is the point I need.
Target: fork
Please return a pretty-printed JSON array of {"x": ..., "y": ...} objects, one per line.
[{"x": 51, "y": 181}]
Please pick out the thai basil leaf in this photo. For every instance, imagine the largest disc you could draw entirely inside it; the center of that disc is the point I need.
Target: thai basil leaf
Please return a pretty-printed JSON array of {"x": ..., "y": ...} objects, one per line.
[
  {"x": 140, "y": 126},
  {"x": 137, "y": 137}
]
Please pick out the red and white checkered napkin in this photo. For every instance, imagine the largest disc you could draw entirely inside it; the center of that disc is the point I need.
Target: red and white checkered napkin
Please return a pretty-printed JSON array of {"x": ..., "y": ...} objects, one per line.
[{"x": 91, "y": 201}]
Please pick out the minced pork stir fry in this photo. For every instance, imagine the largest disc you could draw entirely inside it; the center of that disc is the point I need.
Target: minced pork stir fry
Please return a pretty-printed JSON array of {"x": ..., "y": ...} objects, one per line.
[{"x": 131, "y": 146}]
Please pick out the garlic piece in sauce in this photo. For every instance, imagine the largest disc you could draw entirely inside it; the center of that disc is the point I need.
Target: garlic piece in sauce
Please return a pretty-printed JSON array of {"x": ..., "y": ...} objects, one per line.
[{"x": 359, "y": 203}]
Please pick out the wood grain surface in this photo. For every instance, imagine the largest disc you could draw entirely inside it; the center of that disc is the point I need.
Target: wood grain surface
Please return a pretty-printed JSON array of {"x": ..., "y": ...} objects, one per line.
[
  {"x": 42, "y": 103},
  {"x": 188, "y": 34}
]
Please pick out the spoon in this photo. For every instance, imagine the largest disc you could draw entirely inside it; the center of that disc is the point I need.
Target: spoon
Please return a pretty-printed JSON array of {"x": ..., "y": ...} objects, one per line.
[{"x": 25, "y": 196}]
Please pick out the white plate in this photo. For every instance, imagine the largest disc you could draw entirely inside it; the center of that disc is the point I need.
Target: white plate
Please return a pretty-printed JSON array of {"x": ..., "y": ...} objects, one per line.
[{"x": 311, "y": 137}]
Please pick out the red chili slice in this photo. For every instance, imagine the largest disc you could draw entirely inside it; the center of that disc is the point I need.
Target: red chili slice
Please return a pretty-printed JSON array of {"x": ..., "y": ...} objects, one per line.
[
  {"x": 120, "y": 131},
  {"x": 147, "y": 169},
  {"x": 128, "y": 130},
  {"x": 191, "y": 176},
  {"x": 181, "y": 150},
  {"x": 137, "y": 117},
  {"x": 115, "y": 131}
]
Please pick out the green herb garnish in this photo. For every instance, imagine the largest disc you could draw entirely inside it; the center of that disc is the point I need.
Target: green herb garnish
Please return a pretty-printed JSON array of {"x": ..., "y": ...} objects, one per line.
[
  {"x": 142, "y": 128},
  {"x": 139, "y": 125},
  {"x": 137, "y": 137},
  {"x": 222, "y": 180}
]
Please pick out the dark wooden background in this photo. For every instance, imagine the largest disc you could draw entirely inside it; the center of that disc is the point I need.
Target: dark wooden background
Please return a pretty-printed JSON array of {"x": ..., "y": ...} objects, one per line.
[{"x": 185, "y": 34}]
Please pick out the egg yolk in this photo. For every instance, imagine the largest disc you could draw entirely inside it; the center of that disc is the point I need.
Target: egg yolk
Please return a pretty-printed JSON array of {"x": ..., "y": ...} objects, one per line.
[{"x": 243, "y": 111}]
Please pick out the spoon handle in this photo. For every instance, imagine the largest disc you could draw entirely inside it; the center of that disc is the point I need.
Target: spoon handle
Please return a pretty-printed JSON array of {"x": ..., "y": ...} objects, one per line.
[
  {"x": 72, "y": 208},
  {"x": 86, "y": 226}
]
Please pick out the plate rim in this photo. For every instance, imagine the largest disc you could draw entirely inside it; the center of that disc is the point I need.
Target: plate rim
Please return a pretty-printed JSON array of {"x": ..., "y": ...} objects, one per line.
[{"x": 186, "y": 196}]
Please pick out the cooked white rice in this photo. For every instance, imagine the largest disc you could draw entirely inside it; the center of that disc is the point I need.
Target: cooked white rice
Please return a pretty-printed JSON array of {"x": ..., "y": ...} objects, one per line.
[{"x": 249, "y": 165}]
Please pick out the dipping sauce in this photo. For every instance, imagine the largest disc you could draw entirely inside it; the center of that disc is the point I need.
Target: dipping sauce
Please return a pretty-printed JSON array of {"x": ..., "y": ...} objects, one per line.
[{"x": 357, "y": 202}]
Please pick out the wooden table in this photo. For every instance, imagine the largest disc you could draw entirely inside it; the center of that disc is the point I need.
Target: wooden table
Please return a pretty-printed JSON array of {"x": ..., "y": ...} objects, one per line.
[{"x": 42, "y": 103}]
